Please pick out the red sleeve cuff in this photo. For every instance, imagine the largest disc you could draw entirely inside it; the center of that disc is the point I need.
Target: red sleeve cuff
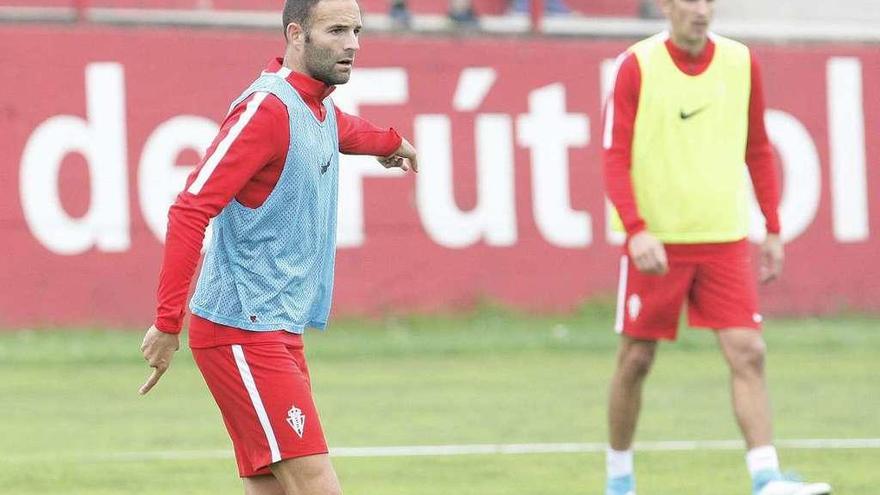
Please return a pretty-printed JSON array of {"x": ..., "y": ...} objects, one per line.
[
  {"x": 167, "y": 325},
  {"x": 394, "y": 141},
  {"x": 635, "y": 228}
]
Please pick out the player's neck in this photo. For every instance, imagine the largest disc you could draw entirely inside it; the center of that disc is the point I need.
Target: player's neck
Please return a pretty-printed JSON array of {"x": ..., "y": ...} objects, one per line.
[
  {"x": 693, "y": 47},
  {"x": 294, "y": 63}
]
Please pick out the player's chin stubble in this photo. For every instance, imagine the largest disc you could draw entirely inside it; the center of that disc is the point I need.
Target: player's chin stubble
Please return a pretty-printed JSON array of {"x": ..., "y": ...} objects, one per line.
[{"x": 321, "y": 63}]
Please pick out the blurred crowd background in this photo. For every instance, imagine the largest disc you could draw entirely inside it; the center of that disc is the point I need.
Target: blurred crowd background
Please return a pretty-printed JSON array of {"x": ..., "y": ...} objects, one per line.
[{"x": 419, "y": 14}]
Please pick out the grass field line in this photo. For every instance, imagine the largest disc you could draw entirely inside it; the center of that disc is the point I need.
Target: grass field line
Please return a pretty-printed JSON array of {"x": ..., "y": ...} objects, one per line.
[{"x": 460, "y": 450}]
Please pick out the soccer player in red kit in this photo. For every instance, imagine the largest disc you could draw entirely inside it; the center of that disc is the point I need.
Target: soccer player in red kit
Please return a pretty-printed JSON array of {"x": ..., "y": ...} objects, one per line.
[
  {"x": 270, "y": 181},
  {"x": 684, "y": 123}
]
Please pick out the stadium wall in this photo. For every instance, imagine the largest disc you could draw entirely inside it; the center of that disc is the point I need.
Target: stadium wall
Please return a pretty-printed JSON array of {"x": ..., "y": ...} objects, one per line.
[{"x": 101, "y": 125}]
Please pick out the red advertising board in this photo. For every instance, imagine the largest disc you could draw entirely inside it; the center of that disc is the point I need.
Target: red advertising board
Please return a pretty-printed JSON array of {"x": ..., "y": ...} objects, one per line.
[
  {"x": 482, "y": 7},
  {"x": 100, "y": 126}
]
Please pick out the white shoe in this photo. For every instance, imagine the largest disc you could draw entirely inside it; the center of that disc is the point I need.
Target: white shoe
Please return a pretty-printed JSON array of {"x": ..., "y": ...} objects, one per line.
[
  {"x": 788, "y": 487},
  {"x": 623, "y": 485}
]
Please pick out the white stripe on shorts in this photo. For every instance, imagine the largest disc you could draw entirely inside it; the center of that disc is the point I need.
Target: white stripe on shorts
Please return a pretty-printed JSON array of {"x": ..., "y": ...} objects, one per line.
[
  {"x": 621, "y": 294},
  {"x": 254, "y": 394}
]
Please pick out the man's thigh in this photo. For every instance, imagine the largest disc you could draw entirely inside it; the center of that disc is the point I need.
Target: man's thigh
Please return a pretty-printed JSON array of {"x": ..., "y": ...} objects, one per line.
[
  {"x": 264, "y": 484},
  {"x": 266, "y": 403},
  {"x": 311, "y": 475}
]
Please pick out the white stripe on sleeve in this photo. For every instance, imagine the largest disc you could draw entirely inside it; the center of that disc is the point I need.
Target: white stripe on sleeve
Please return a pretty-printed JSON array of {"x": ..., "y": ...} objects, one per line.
[
  {"x": 222, "y": 148},
  {"x": 254, "y": 394},
  {"x": 608, "y": 136}
]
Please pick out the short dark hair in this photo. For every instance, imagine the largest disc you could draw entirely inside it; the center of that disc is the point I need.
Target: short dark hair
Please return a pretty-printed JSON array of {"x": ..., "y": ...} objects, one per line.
[{"x": 298, "y": 11}]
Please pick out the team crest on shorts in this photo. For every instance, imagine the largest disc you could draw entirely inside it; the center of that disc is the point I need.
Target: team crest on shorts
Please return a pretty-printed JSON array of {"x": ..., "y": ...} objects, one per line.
[
  {"x": 634, "y": 306},
  {"x": 297, "y": 420}
]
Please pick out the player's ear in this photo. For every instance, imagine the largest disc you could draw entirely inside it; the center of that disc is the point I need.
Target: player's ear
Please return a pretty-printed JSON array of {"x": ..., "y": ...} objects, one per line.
[{"x": 295, "y": 34}]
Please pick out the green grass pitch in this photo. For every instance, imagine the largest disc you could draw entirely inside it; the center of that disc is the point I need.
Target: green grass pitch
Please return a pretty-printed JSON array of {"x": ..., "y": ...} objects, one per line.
[{"x": 72, "y": 422}]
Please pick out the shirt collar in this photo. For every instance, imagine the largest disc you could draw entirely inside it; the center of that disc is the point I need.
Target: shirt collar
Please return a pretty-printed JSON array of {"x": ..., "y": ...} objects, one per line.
[
  {"x": 683, "y": 55},
  {"x": 305, "y": 85}
]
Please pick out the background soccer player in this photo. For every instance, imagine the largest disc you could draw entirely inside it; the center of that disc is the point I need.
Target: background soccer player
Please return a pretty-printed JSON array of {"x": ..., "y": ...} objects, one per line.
[
  {"x": 270, "y": 179},
  {"x": 686, "y": 113}
]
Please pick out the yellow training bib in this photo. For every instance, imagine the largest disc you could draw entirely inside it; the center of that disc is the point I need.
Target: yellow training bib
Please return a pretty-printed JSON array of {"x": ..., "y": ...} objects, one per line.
[{"x": 689, "y": 144}]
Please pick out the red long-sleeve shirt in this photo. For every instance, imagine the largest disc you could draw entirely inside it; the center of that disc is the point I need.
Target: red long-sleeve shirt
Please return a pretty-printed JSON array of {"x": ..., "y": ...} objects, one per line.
[
  {"x": 620, "y": 123},
  {"x": 244, "y": 162}
]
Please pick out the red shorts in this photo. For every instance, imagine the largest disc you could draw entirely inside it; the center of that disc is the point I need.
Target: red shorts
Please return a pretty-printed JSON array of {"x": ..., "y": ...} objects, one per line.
[
  {"x": 265, "y": 397},
  {"x": 716, "y": 280}
]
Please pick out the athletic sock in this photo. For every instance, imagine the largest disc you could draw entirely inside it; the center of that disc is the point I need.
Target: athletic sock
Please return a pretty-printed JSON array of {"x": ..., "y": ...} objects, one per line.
[
  {"x": 618, "y": 463},
  {"x": 762, "y": 460}
]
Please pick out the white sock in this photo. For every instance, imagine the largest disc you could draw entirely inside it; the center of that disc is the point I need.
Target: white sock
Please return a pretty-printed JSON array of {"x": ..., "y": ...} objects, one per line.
[
  {"x": 618, "y": 462},
  {"x": 762, "y": 459}
]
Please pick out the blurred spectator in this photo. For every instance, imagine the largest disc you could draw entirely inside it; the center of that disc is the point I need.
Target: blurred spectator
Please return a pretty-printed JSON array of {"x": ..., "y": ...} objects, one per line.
[
  {"x": 648, "y": 9},
  {"x": 461, "y": 12},
  {"x": 551, "y": 7},
  {"x": 399, "y": 14}
]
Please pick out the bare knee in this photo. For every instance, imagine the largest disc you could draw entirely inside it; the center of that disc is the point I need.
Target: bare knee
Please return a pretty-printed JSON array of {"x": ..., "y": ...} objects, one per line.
[
  {"x": 636, "y": 358},
  {"x": 748, "y": 357}
]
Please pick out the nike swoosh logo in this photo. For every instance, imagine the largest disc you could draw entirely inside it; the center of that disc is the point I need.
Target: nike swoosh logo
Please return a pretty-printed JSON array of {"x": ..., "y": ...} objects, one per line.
[{"x": 685, "y": 115}]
